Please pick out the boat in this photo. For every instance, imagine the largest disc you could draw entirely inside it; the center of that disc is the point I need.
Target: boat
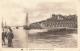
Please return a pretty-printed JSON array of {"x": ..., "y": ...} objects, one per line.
[{"x": 26, "y": 27}]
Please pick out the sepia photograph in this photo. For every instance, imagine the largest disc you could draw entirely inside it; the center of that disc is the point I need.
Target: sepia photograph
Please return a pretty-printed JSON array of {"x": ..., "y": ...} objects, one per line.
[{"x": 38, "y": 25}]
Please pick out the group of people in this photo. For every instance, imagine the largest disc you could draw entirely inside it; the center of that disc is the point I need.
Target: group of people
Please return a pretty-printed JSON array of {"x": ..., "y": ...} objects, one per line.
[{"x": 7, "y": 35}]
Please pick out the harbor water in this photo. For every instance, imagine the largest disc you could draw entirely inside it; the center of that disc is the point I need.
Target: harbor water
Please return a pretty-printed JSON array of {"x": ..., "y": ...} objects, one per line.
[{"x": 42, "y": 38}]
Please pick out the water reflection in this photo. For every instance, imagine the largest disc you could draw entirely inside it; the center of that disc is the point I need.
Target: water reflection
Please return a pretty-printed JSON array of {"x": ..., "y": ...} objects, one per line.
[{"x": 53, "y": 38}]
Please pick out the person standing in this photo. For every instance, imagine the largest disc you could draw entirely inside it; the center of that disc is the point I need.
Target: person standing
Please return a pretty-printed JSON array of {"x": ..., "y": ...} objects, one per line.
[
  {"x": 3, "y": 37},
  {"x": 10, "y": 36}
]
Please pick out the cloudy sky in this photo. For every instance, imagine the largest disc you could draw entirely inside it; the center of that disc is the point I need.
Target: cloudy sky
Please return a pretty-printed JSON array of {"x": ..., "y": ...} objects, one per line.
[{"x": 14, "y": 11}]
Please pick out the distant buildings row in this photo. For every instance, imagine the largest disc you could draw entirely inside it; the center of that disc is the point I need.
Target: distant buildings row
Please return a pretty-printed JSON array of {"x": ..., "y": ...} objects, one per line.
[{"x": 56, "y": 21}]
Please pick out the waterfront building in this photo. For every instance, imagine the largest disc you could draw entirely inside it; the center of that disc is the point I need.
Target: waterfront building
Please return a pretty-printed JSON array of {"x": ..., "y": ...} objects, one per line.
[{"x": 57, "y": 21}]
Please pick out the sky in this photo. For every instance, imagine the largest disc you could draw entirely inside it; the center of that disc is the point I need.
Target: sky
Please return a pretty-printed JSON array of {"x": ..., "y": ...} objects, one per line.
[{"x": 14, "y": 11}]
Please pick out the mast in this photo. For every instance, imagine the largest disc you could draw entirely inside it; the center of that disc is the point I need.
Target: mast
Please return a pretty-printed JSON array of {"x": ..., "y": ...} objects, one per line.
[
  {"x": 2, "y": 22},
  {"x": 27, "y": 19}
]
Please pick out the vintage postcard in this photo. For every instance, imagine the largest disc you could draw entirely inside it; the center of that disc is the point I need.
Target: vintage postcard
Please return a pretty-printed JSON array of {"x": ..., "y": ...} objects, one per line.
[{"x": 28, "y": 25}]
